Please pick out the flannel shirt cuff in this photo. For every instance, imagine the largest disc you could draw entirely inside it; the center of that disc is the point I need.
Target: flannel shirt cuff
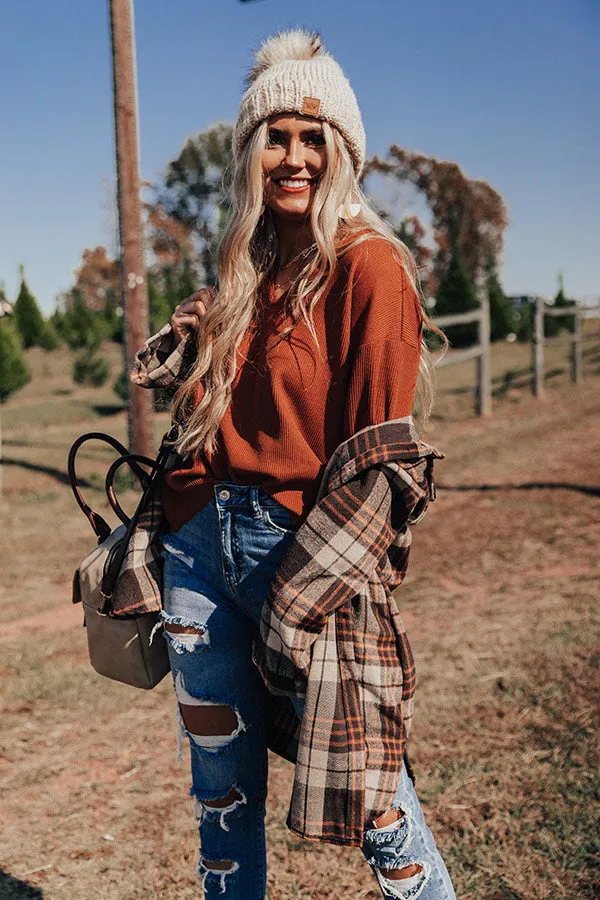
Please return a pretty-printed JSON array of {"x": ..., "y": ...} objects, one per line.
[
  {"x": 160, "y": 364},
  {"x": 413, "y": 487}
]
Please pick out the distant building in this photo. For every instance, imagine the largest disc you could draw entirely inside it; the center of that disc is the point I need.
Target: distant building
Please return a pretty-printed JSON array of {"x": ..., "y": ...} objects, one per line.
[
  {"x": 518, "y": 301},
  {"x": 5, "y": 308},
  {"x": 587, "y": 302}
]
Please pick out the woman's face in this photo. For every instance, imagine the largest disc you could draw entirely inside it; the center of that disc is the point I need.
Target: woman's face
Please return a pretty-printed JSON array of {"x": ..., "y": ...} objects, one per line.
[{"x": 293, "y": 161}]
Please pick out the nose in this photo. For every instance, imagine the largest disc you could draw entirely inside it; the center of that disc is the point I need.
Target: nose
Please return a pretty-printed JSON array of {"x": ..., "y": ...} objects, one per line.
[{"x": 294, "y": 157}]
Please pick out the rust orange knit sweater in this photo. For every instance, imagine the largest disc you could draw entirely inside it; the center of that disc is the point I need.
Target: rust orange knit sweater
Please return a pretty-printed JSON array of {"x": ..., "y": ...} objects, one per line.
[{"x": 290, "y": 408}]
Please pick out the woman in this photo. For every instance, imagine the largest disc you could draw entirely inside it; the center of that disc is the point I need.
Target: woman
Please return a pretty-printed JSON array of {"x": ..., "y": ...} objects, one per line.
[{"x": 314, "y": 336}]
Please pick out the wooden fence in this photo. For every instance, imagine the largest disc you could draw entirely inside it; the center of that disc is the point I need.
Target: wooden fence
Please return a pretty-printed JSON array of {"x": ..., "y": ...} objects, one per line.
[
  {"x": 575, "y": 340},
  {"x": 481, "y": 351}
]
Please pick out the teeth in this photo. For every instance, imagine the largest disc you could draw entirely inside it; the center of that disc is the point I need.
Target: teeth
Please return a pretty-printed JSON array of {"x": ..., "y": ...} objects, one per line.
[{"x": 293, "y": 182}]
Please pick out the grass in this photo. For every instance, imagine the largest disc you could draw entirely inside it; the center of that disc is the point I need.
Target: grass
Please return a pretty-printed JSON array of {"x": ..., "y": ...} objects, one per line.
[{"x": 501, "y": 605}]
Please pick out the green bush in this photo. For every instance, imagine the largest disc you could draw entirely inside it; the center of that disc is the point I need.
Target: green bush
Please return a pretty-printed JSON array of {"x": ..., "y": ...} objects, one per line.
[
  {"x": 14, "y": 371},
  {"x": 91, "y": 370}
]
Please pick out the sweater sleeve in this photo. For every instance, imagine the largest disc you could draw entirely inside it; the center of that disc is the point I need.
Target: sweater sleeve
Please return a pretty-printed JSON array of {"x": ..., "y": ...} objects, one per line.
[{"x": 385, "y": 340}]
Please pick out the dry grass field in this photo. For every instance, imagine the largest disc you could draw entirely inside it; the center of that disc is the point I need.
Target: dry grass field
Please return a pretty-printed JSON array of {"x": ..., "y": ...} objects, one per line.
[{"x": 501, "y": 604}]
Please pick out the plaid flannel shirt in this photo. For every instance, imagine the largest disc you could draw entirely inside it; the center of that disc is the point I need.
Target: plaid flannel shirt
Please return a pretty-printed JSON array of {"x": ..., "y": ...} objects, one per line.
[
  {"x": 331, "y": 633},
  {"x": 330, "y": 629}
]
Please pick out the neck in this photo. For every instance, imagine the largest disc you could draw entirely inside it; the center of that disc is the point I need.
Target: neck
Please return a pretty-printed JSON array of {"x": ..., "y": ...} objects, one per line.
[{"x": 292, "y": 238}]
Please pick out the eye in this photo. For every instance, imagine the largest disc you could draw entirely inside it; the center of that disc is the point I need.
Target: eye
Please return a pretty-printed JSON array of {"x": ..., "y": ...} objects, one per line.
[
  {"x": 274, "y": 138},
  {"x": 316, "y": 138}
]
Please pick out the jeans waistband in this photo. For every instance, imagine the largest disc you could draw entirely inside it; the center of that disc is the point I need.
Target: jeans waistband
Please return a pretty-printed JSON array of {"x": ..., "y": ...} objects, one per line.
[{"x": 227, "y": 493}]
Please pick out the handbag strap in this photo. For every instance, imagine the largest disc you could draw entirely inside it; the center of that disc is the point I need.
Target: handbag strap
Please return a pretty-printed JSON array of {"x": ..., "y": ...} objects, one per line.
[{"x": 99, "y": 525}]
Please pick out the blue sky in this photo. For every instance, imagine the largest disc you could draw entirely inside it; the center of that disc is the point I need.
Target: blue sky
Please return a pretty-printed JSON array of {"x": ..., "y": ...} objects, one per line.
[{"x": 510, "y": 91}]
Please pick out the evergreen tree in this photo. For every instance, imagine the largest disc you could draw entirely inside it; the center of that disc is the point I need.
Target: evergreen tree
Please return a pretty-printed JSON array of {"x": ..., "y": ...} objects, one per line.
[
  {"x": 457, "y": 293},
  {"x": 196, "y": 191},
  {"x": 113, "y": 321},
  {"x": 29, "y": 320},
  {"x": 502, "y": 319},
  {"x": 14, "y": 371},
  {"x": 170, "y": 288},
  {"x": 552, "y": 325},
  {"x": 80, "y": 327},
  {"x": 90, "y": 369},
  {"x": 159, "y": 306},
  {"x": 50, "y": 339},
  {"x": 188, "y": 282}
]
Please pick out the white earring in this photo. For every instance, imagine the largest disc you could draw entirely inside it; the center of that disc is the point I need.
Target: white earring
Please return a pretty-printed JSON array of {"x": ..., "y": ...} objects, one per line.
[{"x": 349, "y": 210}]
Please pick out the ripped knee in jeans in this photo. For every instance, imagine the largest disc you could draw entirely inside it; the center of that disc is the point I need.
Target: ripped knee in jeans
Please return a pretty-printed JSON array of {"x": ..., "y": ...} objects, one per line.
[{"x": 210, "y": 725}]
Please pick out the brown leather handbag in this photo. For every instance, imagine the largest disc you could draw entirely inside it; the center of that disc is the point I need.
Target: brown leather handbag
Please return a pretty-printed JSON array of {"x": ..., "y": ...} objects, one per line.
[{"x": 119, "y": 583}]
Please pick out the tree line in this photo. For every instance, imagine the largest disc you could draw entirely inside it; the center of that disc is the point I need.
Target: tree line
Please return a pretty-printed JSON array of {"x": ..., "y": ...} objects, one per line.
[{"x": 186, "y": 217}]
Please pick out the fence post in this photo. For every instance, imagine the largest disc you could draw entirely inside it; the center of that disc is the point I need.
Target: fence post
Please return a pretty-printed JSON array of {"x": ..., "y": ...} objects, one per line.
[
  {"x": 576, "y": 367},
  {"x": 484, "y": 361},
  {"x": 538, "y": 348}
]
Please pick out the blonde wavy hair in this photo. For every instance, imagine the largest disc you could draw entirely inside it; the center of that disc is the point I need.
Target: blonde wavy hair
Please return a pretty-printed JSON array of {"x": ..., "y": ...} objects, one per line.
[{"x": 246, "y": 257}]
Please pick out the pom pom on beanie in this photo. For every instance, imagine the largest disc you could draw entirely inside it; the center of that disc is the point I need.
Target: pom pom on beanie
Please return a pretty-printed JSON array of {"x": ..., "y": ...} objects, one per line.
[{"x": 293, "y": 73}]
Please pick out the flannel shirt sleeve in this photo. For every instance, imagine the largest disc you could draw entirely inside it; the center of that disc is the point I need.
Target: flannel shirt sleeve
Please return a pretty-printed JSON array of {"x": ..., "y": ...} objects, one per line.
[{"x": 161, "y": 364}]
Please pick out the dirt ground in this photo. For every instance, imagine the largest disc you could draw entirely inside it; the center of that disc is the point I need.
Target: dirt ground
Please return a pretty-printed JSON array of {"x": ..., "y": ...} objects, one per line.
[{"x": 501, "y": 605}]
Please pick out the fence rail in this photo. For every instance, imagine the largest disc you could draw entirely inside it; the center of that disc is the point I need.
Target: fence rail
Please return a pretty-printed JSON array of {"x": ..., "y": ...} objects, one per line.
[
  {"x": 539, "y": 340},
  {"x": 481, "y": 351}
]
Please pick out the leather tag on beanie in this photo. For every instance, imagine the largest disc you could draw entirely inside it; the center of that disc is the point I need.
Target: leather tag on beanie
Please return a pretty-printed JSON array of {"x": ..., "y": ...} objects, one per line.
[{"x": 310, "y": 106}]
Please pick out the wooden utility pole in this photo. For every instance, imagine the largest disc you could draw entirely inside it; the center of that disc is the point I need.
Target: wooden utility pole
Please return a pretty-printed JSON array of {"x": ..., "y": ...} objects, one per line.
[{"x": 134, "y": 289}]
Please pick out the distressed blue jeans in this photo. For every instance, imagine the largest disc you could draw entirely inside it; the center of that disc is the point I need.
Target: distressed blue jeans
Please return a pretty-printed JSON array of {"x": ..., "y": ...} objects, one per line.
[{"x": 218, "y": 568}]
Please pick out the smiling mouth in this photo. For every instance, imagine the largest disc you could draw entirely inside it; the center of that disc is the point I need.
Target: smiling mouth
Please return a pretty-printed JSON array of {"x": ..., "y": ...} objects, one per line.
[{"x": 293, "y": 185}]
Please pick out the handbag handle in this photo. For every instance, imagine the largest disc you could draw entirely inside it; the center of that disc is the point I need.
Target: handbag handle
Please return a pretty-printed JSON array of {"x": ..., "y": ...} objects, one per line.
[
  {"x": 99, "y": 525},
  {"x": 130, "y": 460}
]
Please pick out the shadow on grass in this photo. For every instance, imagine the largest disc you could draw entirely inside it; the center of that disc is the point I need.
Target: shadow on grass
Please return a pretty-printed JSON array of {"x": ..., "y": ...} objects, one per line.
[
  {"x": 13, "y": 889},
  {"x": 58, "y": 474},
  {"x": 512, "y": 378},
  {"x": 525, "y": 486},
  {"x": 107, "y": 409}
]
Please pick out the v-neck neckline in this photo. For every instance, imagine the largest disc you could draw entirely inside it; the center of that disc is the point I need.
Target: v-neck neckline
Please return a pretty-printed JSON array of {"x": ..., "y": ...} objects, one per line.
[{"x": 271, "y": 293}]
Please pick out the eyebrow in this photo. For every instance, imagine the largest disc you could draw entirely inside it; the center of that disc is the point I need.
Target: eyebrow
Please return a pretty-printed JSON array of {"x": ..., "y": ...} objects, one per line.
[{"x": 311, "y": 130}]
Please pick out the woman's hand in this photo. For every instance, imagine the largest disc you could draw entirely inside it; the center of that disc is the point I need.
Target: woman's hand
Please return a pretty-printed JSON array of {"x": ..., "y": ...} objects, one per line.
[{"x": 189, "y": 313}]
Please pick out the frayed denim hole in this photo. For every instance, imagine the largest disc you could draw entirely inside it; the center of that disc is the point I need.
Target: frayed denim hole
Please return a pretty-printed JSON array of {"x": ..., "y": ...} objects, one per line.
[
  {"x": 386, "y": 846},
  {"x": 182, "y": 642},
  {"x": 199, "y": 743},
  {"x": 393, "y": 887},
  {"x": 187, "y": 643},
  {"x": 219, "y": 875},
  {"x": 202, "y": 809}
]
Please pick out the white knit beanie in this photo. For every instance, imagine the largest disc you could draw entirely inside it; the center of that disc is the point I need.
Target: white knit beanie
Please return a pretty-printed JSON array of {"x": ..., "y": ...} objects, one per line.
[{"x": 293, "y": 73}]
